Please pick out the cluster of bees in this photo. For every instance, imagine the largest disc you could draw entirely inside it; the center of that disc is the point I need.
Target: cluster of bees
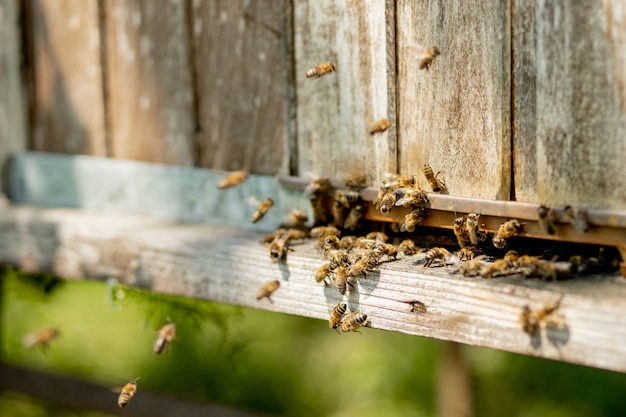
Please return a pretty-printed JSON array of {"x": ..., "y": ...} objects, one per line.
[{"x": 44, "y": 336}]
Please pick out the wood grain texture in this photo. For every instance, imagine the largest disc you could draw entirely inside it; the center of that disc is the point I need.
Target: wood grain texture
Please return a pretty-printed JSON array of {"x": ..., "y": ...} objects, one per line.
[
  {"x": 150, "y": 91},
  {"x": 244, "y": 80},
  {"x": 69, "y": 106},
  {"x": 581, "y": 104},
  {"x": 228, "y": 265},
  {"x": 456, "y": 115},
  {"x": 336, "y": 110},
  {"x": 12, "y": 109}
]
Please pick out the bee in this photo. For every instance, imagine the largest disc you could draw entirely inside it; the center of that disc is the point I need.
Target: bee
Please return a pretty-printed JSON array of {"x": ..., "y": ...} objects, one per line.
[
  {"x": 379, "y": 236},
  {"x": 354, "y": 180},
  {"x": 412, "y": 219},
  {"x": 578, "y": 219},
  {"x": 41, "y": 337},
  {"x": 460, "y": 231},
  {"x": 435, "y": 183},
  {"x": 337, "y": 314},
  {"x": 471, "y": 225},
  {"x": 387, "y": 202},
  {"x": 347, "y": 242},
  {"x": 298, "y": 217},
  {"x": 585, "y": 266},
  {"x": 340, "y": 208},
  {"x": 232, "y": 179},
  {"x": 331, "y": 243},
  {"x": 532, "y": 321},
  {"x": 318, "y": 186},
  {"x": 323, "y": 272},
  {"x": 356, "y": 212},
  {"x": 467, "y": 253},
  {"x": 267, "y": 290},
  {"x": 320, "y": 232},
  {"x": 379, "y": 126},
  {"x": 505, "y": 231},
  {"x": 473, "y": 267},
  {"x": 547, "y": 220},
  {"x": 363, "y": 265},
  {"x": 436, "y": 253},
  {"x": 278, "y": 248},
  {"x": 346, "y": 197},
  {"x": 127, "y": 392},
  {"x": 353, "y": 321},
  {"x": 320, "y": 70},
  {"x": 341, "y": 279},
  {"x": 411, "y": 197},
  {"x": 498, "y": 268},
  {"x": 338, "y": 258},
  {"x": 270, "y": 237},
  {"x": 407, "y": 247},
  {"x": 165, "y": 337},
  {"x": 262, "y": 209},
  {"x": 528, "y": 321},
  {"x": 545, "y": 269},
  {"x": 426, "y": 56},
  {"x": 385, "y": 249}
]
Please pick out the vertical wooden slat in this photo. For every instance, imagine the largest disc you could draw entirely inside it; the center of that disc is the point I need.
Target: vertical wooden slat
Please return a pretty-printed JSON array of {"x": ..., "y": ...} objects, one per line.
[
  {"x": 12, "y": 110},
  {"x": 335, "y": 111},
  {"x": 244, "y": 74},
  {"x": 150, "y": 92},
  {"x": 69, "y": 108},
  {"x": 580, "y": 105},
  {"x": 455, "y": 116}
]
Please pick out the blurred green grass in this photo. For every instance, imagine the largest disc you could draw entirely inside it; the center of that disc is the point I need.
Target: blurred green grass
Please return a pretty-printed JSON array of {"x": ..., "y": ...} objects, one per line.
[{"x": 272, "y": 363}]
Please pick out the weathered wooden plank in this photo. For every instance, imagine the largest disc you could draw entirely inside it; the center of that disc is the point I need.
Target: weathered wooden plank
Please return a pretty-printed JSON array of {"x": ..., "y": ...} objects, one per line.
[
  {"x": 12, "y": 109},
  {"x": 580, "y": 111},
  {"x": 245, "y": 84},
  {"x": 336, "y": 110},
  {"x": 456, "y": 115},
  {"x": 67, "y": 77},
  {"x": 150, "y": 91},
  {"x": 228, "y": 265}
]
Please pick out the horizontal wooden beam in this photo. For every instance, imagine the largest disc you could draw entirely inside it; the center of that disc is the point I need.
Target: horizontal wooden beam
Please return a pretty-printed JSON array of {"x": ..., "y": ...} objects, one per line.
[{"x": 228, "y": 265}]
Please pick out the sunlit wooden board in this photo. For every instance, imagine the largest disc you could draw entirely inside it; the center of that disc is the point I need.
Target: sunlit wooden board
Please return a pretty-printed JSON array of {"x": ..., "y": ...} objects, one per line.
[{"x": 228, "y": 265}]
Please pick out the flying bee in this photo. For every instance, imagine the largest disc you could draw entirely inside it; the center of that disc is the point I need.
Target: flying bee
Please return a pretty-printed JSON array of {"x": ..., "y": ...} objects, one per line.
[
  {"x": 353, "y": 321},
  {"x": 41, "y": 337},
  {"x": 262, "y": 209},
  {"x": 337, "y": 314},
  {"x": 267, "y": 290},
  {"x": 471, "y": 225},
  {"x": 435, "y": 183},
  {"x": 320, "y": 70},
  {"x": 323, "y": 272},
  {"x": 460, "y": 231},
  {"x": 164, "y": 338},
  {"x": 505, "y": 231},
  {"x": 412, "y": 219},
  {"x": 232, "y": 179},
  {"x": 379, "y": 126},
  {"x": 436, "y": 253},
  {"x": 532, "y": 321},
  {"x": 578, "y": 219},
  {"x": 356, "y": 212},
  {"x": 426, "y": 56},
  {"x": 407, "y": 247},
  {"x": 547, "y": 220},
  {"x": 127, "y": 392}
]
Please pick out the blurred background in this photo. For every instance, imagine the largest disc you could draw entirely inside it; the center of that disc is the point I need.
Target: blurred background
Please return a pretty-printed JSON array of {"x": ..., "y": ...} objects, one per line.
[{"x": 273, "y": 364}]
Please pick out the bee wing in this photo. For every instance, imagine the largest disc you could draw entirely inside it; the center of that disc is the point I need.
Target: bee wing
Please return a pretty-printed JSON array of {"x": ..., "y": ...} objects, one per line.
[
  {"x": 117, "y": 390},
  {"x": 253, "y": 201}
]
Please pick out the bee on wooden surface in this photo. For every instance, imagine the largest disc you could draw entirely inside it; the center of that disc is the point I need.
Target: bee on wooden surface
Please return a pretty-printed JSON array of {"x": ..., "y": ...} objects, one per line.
[
  {"x": 411, "y": 197},
  {"x": 356, "y": 212},
  {"x": 365, "y": 261},
  {"x": 320, "y": 232},
  {"x": 270, "y": 237},
  {"x": 506, "y": 231},
  {"x": 545, "y": 269},
  {"x": 262, "y": 209},
  {"x": 426, "y": 56},
  {"x": 347, "y": 242},
  {"x": 387, "y": 202},
  {"x": 127, "y": 392},
  {"x": 407, "y": 247},
  {"x": 511, "y": 257},
  {"x": 547, "y": 220},
  {"x": 353, "y": 321},
  {"x": 320, "y": 70},
  {"x": 166, "y": 334},
  {"x": 460, "y": 231},
  {"x": 436, "y": 253},
  {"x": 577, "y": 218},
  {"x": 278, "y": 248},
  {"x": 437, "y": 185},
  {"x": 473, "y": 267},
  {"x": 232, "y": 179},
  {"x": 379, "y": 126},
  {"x": 338, "y": 258},
  {"x": 331, "y": 243},
  {"x": 467, "y": 253},
  {"x": 298, "y": 217},
  {"x": 471, "y": 224},
  {"x": 323, "y": 272},
  {"x": 267, "y": 290},
  {"x": 364, "y": 243},
  {"x": 532, "y": 321},
  {"x": 412, "y": 219},
  {"x": 341, "y": 279},
  {"x": 585, "y": 265},
  {"x": 337, "y": 314},
  {"x": 380, "y": 236},
  {"x": 498, "y": 268},
  {"x": 354, "y": 181},
  {"x": 385, "y": 249},
  {"x": 41, "y": 337}
]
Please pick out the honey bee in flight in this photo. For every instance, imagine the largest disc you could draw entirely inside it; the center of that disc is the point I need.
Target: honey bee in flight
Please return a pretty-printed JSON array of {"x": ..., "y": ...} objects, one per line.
[
  {"x": 426, "y": 56},
  {"x": 435, "y": 183},
  {"x": 232, "y": 179},
  {"x": 127, "y": 392},
  {"x": 353, "y": 321},
  {"x": 380, "y": 126},
  {"x": 337, "y": 314},
  {"x": 262, "y": 209},
  {"x": 41, "y": 337},
  {"x": 267, "y": 290},
  {"x": 320, "y": 70},
  {"x": 505, "y": 231},
  {"x": 532, "y": 321},
  {"x": 166, "y": 334}
]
